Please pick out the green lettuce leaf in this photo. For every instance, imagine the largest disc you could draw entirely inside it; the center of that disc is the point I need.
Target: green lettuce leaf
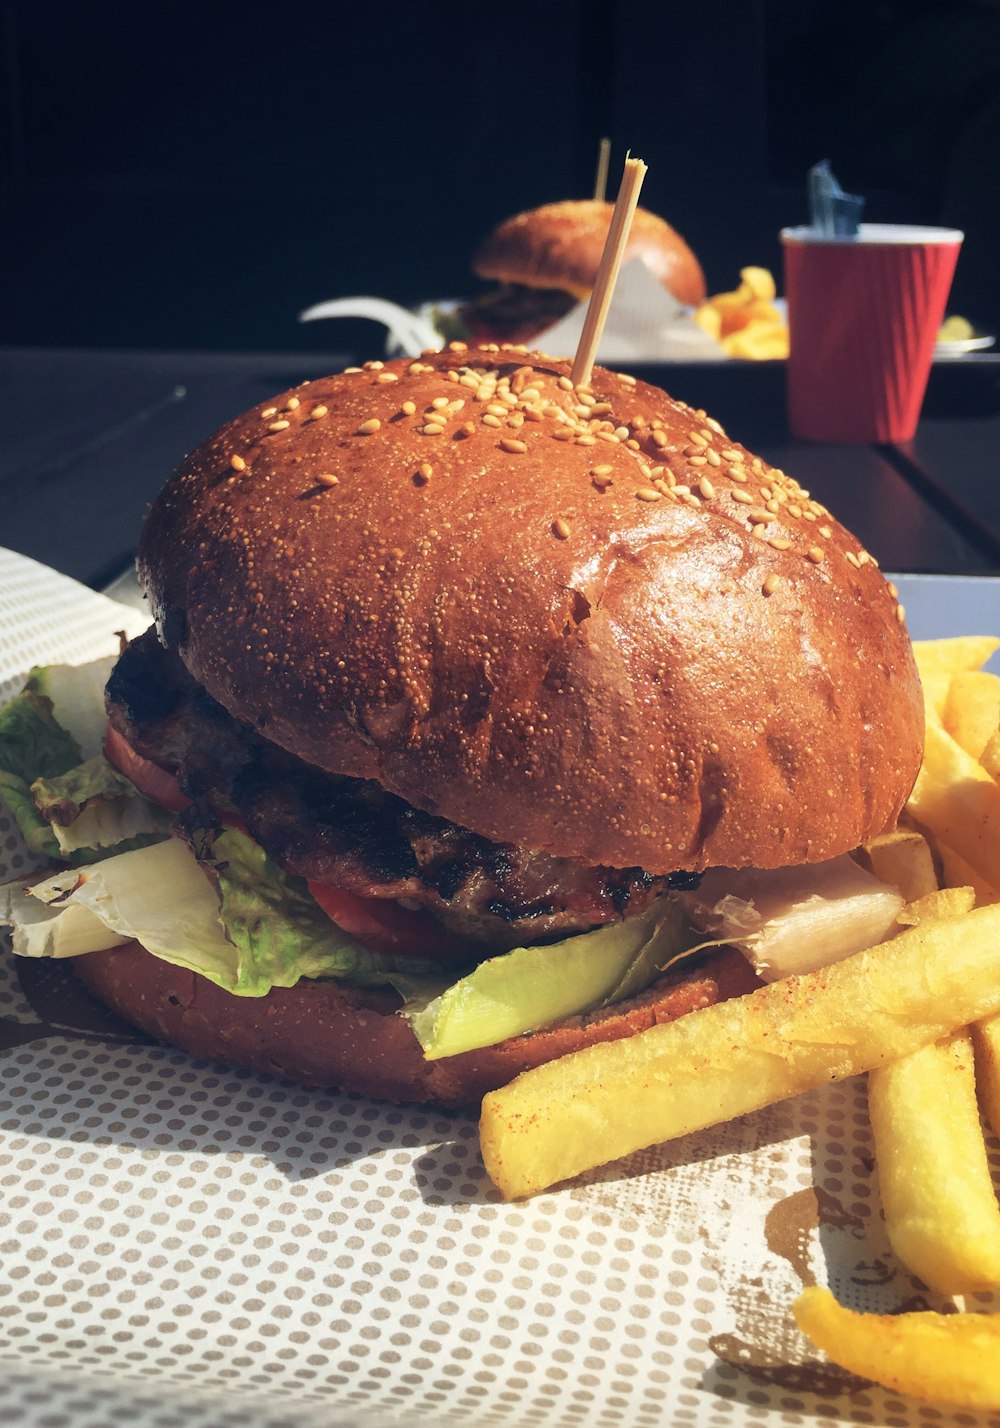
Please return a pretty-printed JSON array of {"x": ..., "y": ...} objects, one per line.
[
  {"x": 281, "y": 932},
  {"x": 259, "y": 930},
  {"x": 32, "y": 743},
  {"x": 93, "y": 807},
  {"x": 15, "y": 796}
]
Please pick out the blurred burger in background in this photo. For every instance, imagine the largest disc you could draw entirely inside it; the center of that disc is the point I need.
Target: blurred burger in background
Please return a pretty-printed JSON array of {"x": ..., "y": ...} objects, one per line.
[{"x": 544, "y": 261}]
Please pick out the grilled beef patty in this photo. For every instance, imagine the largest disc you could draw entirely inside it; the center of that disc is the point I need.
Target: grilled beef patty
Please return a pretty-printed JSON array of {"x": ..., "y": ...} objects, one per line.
[{"x": 349, "y": 832}]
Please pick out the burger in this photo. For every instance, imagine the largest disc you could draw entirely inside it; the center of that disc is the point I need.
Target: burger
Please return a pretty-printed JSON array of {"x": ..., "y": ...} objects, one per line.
[
  {"x": 541, "y": 263},
  {"x": 482, "y": 716}
]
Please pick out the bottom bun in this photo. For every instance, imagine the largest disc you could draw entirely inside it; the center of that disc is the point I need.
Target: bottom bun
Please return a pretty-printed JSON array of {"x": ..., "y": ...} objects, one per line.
[{"x": 327, "y": 1035}]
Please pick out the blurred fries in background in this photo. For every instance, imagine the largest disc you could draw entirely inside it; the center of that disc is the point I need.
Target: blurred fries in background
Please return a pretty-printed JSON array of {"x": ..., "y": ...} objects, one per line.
[{"x": 745, "y": 322}]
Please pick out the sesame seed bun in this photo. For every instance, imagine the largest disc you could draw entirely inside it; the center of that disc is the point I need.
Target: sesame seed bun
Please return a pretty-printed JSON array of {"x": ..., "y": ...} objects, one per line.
[
  {"x": 560, "y": 244},
  {"x": 585, "y": 622}
]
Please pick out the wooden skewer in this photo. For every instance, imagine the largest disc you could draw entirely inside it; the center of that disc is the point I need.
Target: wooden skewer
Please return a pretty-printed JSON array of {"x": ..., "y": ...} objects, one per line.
[
  {"x": 607, "y": 273},
  {"x": 601, "y": 177}
]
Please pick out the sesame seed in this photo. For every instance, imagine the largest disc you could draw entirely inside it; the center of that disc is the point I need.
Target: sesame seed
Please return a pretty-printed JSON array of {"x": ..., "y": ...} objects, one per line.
[
  {"x": 658, "y": 436},
  {"x": 563, "y": 433},
  {"x": 705, "y": 489},
  {"x": 825, "y": 532},
  {"x": 468, "y": 428},
  {"x": 390, "y": 377},
  {"x": 318, "y": 412},
  {"x": 697, "y": 461},
  {"x": 663, "y": 487},
  {"x": 458, "y": 346},
  {"x": 852, "y": 559},
  {"x": 738, "y": 473},
  {"x": 816, "y": 555},
  {"x": 779, "y": 543},
  {"x": 327, "y": 479},
  {"x": 892, "y": 590},
  {"x": 712, "y": 456},
  {"x": 744, "y": 497},
  {"x": 408, "y": 408},
  {"x": 758, "y": 517},
  {"x": 423, "y": 473},
  {"x": 237, "y": 463},
  {"x": 432, "y": 428},
  {"x": 369, "y": 427},
  {"x": 728, "y": 454},
  {"x": 648, "y": 493},
  {"x": 374, "y": 366},
  {"x": 439, "y": 402},
  {"x": 565, "y": 384},
  {"x": 278, "y": 425},
  {"x": 698, "y": 438},
  {"x": 624, "y": 377},
  {"x": 771, "y": 583},
  {"x": 488, "y": 419},
  {"x": 292, "y": 404},
  {"x": 269, "y": 412},
  {"x": 758, "y": 530},
  {"x": 560, "y": 528},
  {"x": 586, "y": 441},
  {"x": 511, "y": 444},
  {"x": 900, "y": 613}
]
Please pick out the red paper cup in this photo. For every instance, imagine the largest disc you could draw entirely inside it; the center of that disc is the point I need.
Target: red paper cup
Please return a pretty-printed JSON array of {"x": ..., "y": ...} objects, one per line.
[{"x": 863, "y": 316}]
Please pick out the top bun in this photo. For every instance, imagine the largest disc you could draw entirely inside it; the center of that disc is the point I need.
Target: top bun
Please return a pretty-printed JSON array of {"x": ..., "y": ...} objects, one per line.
[
  {"x": 560, "y": 245},
  {"x": 585, "y": 621}
]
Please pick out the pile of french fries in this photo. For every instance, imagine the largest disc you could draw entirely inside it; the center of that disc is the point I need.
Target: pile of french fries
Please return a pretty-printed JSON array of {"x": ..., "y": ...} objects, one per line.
[
  {"x": 746, "y": 322},
  {"x": 919, "y": 1012}
]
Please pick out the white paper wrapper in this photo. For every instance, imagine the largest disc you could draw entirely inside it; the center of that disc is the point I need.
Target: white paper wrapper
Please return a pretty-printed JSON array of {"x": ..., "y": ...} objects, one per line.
[{"x": 187, "y": 1246}]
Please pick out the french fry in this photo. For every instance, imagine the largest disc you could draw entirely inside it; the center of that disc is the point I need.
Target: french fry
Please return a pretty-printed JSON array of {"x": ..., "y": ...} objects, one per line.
[
  {"x": 971, "y": 711},
  {"x": 745, "y": 321},
  {"x": 990, "y": 758},
  {"x": 941, "y": 1213},
  {"x": 904, "y": 860},
  {"x": 946, "y": 1358},
  {"x": 986, "y": 1040},
  {"x": 943, "y": 902},
  {"x": 938, "y": 660},
  {"x": 955, "y": 872},
  {"x": 955, "y": 798},
  {"x": 955, "y": 655},
  {"x": 793, "y": 1035}
]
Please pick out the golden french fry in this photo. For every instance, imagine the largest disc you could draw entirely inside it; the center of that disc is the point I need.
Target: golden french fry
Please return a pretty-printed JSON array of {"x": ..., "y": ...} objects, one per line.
[
  {"x": 946, "y": 1358},
  {"x": 933, "y": 906},
  {"x": 955, "y": 798},
  {"x": 758, "y": 343},
  {"x": 939, "y": 660},
  {"x": 904, "y": 860},
  {"x": 954, "y": 656},
  {"x": 971, "y": 711},
  {"x": 941, "y": 1213},
  {"x": 760, "y": 283},
  {"x": 990, "y": 758},
  {"x": 956, "y": 872},
  {"x": 608, "y": 1100},
  {"x": 986, "y": 1040}
]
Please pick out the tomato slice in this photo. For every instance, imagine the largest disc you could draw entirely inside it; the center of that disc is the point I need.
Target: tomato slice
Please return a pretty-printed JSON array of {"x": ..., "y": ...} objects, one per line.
[
  {"x": 157, "y": 784},
  {"x": 382, "y": 925}
]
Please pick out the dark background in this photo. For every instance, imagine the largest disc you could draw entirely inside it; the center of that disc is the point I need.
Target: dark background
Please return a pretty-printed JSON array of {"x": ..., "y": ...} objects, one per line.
[{"x": 191, "y": 176}]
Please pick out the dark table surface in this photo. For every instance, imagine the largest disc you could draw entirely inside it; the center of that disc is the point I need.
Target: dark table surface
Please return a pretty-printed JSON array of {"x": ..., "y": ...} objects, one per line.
[{"x": 89, "y": 437}]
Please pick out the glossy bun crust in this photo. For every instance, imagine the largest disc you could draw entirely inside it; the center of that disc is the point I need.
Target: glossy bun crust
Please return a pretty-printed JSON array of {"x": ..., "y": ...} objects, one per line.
[
  {"x": 560, "y": 245},
  {"x": 587, "y": 621},
  {"x": 322, "y": 1034}
]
